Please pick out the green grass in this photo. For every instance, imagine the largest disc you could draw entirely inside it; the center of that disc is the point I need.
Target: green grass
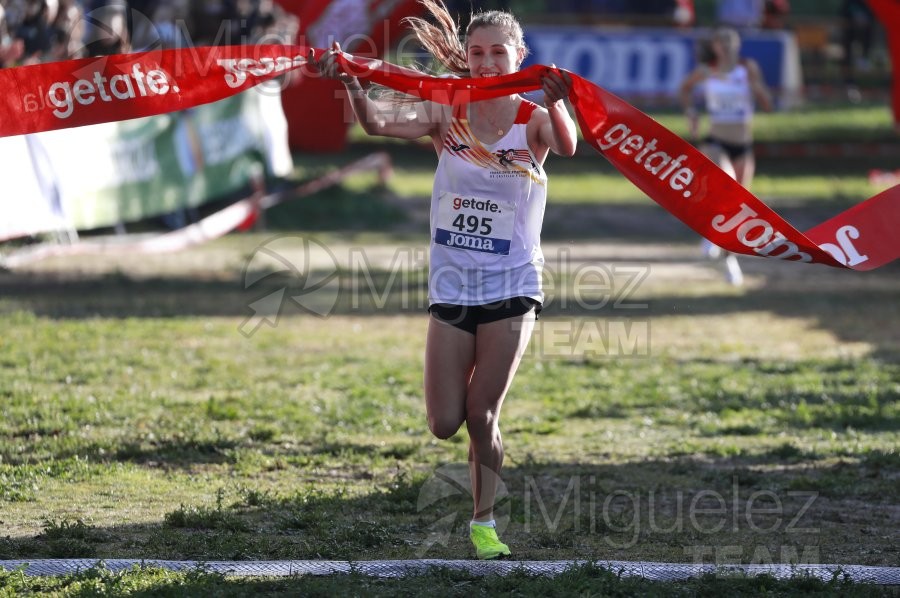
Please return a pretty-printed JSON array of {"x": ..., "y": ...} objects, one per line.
[
  {"x": 810, "y": 124},
  {"x": 753, "y": 425},
  {"x": 582, "y": 181},
  {"x": 588, "y": 179},
  {"x": 839, "y": 123},
  {"x": 138, "y": 422}
]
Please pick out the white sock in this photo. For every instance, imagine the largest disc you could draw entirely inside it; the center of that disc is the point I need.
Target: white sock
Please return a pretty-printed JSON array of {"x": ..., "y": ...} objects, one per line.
[{"x": 490, "y": 523}]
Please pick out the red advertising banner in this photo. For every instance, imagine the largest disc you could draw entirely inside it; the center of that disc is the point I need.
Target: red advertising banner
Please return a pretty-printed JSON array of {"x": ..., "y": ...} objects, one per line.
[{"x": 667, "y": 168}]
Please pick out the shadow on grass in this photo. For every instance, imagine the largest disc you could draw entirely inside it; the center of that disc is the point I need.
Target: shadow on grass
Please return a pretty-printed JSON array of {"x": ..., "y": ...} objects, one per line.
[
  {"x": 851, "y": 314},
  {"x": 768, "y": 506},
  {"x": 853, "y": 306}
]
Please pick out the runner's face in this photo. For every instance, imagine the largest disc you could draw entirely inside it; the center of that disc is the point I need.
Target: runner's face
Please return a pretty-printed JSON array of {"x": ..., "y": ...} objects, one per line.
[
  {"x": 491, "y": 53},
  {"x": 724, "y": 49}
]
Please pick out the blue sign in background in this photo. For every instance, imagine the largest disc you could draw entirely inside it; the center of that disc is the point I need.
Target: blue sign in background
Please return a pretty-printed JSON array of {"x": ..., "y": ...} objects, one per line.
[{"x": 651, "y": 62}]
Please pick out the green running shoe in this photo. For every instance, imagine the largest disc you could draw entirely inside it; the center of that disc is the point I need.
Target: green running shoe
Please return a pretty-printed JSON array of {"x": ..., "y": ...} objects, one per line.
[{"x": 487, "y": 544}]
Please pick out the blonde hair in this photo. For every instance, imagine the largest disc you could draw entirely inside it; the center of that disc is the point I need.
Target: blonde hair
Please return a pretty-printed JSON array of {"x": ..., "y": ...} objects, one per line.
[
  {"x": 730, "y": 40},
  {"x": 443, "y": 41}
]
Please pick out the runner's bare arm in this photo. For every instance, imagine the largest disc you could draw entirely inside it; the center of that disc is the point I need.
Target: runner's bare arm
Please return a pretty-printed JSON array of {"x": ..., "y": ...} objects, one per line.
[
  {"x": 557, "y": 129},
  {"x": 389, "y": 118},
  {"x": 392, "y": 119},
  {"x": 761, "y": 93},
  {"x": 686, "y": 96}
]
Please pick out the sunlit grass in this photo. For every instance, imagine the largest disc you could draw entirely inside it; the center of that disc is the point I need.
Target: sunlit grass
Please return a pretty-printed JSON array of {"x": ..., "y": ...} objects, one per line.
[
  {"x": 590, "y": 179},
  {"x": 803, "y": 124},
  {"x": 154, "y": 428},
  {"x": 593, "y": 182},
  {"x": 139, "y": 422},
  {"x": 809, "y": 124}
]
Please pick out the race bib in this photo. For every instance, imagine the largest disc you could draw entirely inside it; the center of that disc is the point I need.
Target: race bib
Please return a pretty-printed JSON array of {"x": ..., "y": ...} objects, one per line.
[
  {"x": 729, "y": 107},
  {"x": 474, "y": 224}
]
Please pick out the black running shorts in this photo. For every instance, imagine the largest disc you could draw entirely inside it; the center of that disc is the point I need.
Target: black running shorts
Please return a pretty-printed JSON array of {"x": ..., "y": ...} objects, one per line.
[{"x": 468, "y": 317}]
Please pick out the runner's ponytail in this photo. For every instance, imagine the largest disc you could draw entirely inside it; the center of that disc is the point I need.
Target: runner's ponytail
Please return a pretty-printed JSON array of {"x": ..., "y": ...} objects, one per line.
[{"x": 443, "y": 41}]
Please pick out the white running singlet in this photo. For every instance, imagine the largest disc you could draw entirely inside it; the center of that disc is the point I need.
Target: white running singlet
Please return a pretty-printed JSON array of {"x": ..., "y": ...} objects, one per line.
[
  {"x": 487, "y": 207},
  {"x": 729, "y": 98}
]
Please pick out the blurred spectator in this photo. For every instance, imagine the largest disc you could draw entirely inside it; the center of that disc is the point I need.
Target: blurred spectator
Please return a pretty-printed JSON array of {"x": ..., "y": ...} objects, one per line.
[
  {"x": 775, "y": 13},
  {"x": 684, "y": 15},
  {"x": 168, "y": 23},
  {"x": 68, "y": 27},
  {"x": 740, "y": 14},
  {"x": 206, "y": 22},
  {"x": 274, "y": 24},
  {"x": 242, "y": 22},
  {"x": 11, "y": 48},
  {"x": 857, "y": 28},
  {"x": 107, "y": 28},
  {"x": 35, "y": 31},
  {"x": 226, "y": 22},
  {"x": 158, "y": 23}
]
